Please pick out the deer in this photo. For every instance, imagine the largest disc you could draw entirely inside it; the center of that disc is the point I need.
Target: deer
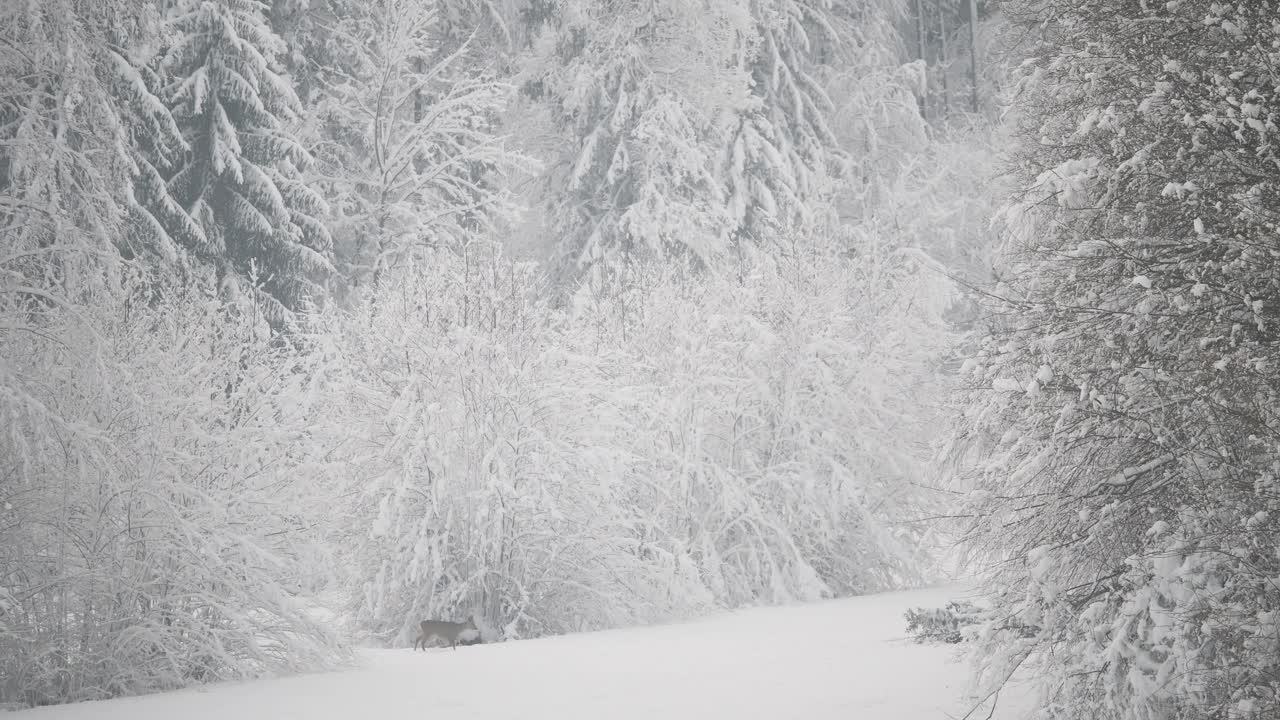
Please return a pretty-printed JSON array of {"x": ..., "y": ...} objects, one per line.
[{"x": 450, "y": 632}]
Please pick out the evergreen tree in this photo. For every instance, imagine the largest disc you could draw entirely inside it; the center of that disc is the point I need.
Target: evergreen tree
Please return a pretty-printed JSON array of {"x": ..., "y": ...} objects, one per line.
[
  {"x": 312, "y": 48},
  {"x": 637, "y": 90},
  {"x": 75, "y": 113},
  {"x": 1125, "y": 490},
  {"x": 785, "y": 142},
  {"x": 241, "y": 180}
]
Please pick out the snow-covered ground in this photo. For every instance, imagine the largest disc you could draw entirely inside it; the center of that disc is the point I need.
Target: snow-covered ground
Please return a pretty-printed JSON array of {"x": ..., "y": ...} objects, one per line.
[{"x": 843, "y": 659}]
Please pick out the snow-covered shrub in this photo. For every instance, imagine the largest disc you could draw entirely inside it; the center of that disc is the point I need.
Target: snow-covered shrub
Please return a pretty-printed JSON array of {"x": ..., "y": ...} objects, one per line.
[
  {"x": 1122, "y": 440},
  {"x": 479, "y": 481},
  {"x": 685, "y": 442},
  {"x": 150, "y": 454},
  {"x": 776, "y": 406},
  {"x": 944, "y": 624}
]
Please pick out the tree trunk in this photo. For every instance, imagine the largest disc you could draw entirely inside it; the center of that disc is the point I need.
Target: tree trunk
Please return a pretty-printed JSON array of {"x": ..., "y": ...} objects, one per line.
[
  {"x": 922, "y": 46},
  {"x": 942, "y": 57},
  {"x": 973, "y": 54}
]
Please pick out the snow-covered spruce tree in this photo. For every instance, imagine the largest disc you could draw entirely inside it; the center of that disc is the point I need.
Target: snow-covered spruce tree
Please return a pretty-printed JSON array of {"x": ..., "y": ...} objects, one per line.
[
  {"x": 241, "y": 179},
  {"x": 409, "y": 140},
  {"x": 1123, "y": 442},
  {"x": 782, "y": 144},
  {"x": 79, "y": 118},
  {"x": 636, "y": 90}
]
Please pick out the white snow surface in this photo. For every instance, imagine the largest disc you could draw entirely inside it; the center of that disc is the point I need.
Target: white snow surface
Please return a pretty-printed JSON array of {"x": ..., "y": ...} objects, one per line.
[{"x": 837, "y": 659}]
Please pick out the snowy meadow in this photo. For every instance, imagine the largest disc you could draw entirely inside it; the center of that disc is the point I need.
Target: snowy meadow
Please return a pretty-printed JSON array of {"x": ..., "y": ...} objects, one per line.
[{"x": 322, "y": 318}]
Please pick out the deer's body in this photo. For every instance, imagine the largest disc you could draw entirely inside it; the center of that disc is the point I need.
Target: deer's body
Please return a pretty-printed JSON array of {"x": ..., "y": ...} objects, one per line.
[{"x": 447, "y": 631}]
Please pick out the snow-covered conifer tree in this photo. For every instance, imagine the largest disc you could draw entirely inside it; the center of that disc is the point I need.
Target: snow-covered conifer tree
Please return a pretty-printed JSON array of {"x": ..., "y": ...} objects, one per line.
[
  {"x": 638, "y": 91},
  {"x": 241, "y": 179},
  {"x": 785, "y": 142},
  {"x": 78, "y": 118}
]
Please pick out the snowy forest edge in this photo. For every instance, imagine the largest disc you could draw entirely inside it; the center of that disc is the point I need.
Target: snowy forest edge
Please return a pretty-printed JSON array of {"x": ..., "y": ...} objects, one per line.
[{"x": 321, "y": 317}]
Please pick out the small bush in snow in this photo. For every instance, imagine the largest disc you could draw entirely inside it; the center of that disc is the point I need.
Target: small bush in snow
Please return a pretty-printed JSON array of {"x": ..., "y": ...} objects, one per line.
[{"x": 942, "y": 624}]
